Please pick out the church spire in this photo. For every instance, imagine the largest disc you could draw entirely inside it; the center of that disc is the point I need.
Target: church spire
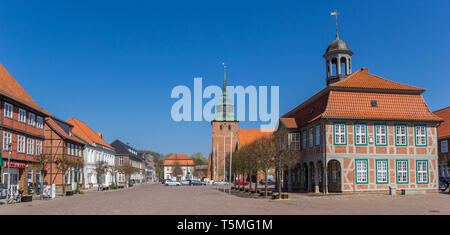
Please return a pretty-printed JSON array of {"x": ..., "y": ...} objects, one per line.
[{"x": 224, "y": 87}]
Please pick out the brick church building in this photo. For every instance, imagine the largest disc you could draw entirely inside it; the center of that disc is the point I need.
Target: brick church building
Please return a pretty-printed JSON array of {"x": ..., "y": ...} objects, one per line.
[
  {"x": 361, "y": 132},
  {"x": 227, "y": 137}
]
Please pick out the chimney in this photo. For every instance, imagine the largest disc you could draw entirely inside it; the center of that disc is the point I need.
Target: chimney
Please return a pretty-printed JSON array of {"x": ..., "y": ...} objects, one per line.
[{"x": 365, "y": 70}]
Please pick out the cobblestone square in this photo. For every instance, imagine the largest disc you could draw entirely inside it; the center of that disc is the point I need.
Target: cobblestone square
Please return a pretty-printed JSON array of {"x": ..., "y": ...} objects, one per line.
[{"x": 156, "y": 199}]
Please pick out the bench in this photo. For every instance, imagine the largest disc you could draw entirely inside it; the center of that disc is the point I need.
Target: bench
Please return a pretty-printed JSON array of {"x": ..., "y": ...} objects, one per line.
[{"x": 407, "y": 192}]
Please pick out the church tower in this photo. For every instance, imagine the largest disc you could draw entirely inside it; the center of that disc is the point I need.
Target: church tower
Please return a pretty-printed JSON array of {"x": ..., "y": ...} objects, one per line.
[
  {"x": 224, "y": 135},
  {"x": 338, "y": 59}
]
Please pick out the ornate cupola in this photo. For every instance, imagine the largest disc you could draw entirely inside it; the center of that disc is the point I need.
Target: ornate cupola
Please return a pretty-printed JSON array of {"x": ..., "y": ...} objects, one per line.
[{"x": 338, "y": 59}]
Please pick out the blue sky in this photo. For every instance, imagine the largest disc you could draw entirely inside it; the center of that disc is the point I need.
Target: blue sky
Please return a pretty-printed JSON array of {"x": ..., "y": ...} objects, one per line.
[{"x": 113, "y": 64}]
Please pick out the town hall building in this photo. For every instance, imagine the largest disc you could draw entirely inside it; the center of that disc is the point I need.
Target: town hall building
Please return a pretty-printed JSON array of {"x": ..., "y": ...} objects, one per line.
[{"x": 361, "y": 132}]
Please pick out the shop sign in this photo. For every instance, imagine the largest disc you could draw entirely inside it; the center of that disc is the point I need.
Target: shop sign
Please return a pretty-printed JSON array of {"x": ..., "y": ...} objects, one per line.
[{"x": 15, "y": 165}]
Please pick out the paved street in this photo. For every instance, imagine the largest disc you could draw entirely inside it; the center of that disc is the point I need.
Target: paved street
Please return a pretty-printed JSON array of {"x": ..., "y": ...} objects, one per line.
[{"x": 158, "y": 199}]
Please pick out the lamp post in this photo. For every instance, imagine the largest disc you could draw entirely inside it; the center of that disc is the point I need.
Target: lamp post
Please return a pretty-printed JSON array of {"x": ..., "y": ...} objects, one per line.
[{"x": 9, "y": 173}]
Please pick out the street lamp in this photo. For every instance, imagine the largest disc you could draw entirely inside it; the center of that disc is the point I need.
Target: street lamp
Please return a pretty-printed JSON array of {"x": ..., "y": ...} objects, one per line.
[{"x": 9, "y": 173}]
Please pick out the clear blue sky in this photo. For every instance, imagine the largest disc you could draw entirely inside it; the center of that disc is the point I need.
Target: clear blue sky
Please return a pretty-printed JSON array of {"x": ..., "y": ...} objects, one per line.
[{"x": 113, "y": 64}]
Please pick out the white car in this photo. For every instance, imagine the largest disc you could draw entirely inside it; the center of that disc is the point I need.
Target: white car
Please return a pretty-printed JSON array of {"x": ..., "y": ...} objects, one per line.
[
  {"x": 220, "y": 183},
  {"x": 172, "y": 183},
  {"x": 185, "y": 182}
]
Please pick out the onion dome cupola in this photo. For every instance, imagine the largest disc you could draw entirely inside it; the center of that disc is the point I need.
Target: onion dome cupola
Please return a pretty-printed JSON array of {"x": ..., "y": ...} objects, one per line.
[{"x": 338, "y": 59}]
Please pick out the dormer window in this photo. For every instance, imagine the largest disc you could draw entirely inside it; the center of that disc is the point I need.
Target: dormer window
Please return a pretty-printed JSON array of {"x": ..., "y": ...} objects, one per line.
[{"x": 374, "y": 103}]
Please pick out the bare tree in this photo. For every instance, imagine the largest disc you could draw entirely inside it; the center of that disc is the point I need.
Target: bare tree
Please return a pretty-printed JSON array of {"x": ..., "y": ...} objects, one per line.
[
  {"x": 43, "y": 160},
  {"x": 283, "y": 154},
  {"x": 100, "y": 168},
  {"x": 177, "y": 171},
  {"x": 264, "y": 150},
  {"x": 127, "y": 170},
  {"x": 64, "y": 164}
]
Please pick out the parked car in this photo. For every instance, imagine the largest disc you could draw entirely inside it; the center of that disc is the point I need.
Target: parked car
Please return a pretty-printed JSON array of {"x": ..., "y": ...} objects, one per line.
[
  {"x": 444, "y": 183},
  {"x": 186, "y": 182},
  {"x": 269, "y": 182},
  {"x": 240, "y": 182},
  {"x": 172, "y": 183},
  {"x": 220, "y": 183},
  {"x": 165, "y": 180},
  {"x": 197, "y": 182}
]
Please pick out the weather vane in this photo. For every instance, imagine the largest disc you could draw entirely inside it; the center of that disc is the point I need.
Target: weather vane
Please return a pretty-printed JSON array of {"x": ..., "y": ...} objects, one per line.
[{"x": 335, "y": 13}]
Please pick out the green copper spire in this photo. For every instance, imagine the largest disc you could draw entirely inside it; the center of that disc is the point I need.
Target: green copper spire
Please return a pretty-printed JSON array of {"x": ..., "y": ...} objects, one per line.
[
  {"x": 224, "y": 87},
  {"x": 224, "y": 109}
]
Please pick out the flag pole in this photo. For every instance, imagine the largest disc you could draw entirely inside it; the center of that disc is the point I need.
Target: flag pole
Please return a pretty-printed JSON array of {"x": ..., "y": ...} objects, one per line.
[
  {"x": 231, "y": 159},
  {"x": 224, "y": 157}
]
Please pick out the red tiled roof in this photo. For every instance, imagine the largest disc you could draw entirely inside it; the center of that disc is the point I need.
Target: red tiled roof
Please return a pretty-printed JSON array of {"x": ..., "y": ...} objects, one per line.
[
  {"x": 86, "y": 133},
  {"x": 56, "y": 128},
  {"x": 444, "y": 128},
  {"x": 363, "y": 79},
  {"x": 353, "y": 96},
  {"x": 12, "y": 89},
  {"x": 181, "y": 159},
  {"x": 248, "y": 136},
  {"x": 347, "y": 104},
  {"x": 289, "y": 123}
]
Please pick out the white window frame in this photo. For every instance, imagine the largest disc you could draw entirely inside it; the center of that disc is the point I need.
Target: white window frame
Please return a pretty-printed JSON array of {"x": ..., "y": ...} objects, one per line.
[
  {"x": 9, "y": 109},
  {"x": 382, "y": 171},
  {"x": 30, "y": 146},
  {"x": 420, "y": 135},
  {"x": 39, "y": 122},
  {"x": 401, "y": 135},
  {"x": 360, "y": 134},
  {"x": 381, "y": 134},
  {"x": 402, "y": 171},
  {"x": 310, "y": 138},
  {"x": 295, "y": 141},
  {"x": 422, "y": 171},
  {"x": 21, "y": 143},
  {"x": 31, "y": 119},
  {"x": 22, "y": 115},
  {"x": 318, "y": 135},
  {"x": 38, "y": 147},
  {"x": 362, "y": 171},
  {"x": 7, "y": 139},
  {"x": 340, "y": 133}
]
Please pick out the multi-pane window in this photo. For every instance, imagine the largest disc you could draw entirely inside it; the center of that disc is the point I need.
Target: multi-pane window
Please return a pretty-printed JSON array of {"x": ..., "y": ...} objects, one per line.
[
  {"x": 318, "y": 135},
  {"x": 380, "y": 133},
  {"x": 400, "y": 135},
  {"x": 8, "y": 110},
  {"x": 31, "y": 119},
  {"x": 295, "y": 141},
  {"x": 39, "y": 122},
  {"x": 422, "y": 172},
  {"x": 421, "y": 138},
  {"x": 30, "y": 146},
  {"x": 22, "y": 116},
  {"x": 360, "y": 134},
  {"x": 38, "y": 147},
  {"x": 304, "y": 140},
  {"x": 361, "y": 171},
  {"x": 340, "y": 136},
  {"x": 402, "y": 171},
  {"x": 382, "y": 171},
  {"x": 68, "y": 148},
  {"x": 311, "y": 138},
  {"x": 72, "y": 149},
  {"x": 7, "y": 140},
  {"x": 21, "y": 144},
  {"x": 121, "y": 161}
]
